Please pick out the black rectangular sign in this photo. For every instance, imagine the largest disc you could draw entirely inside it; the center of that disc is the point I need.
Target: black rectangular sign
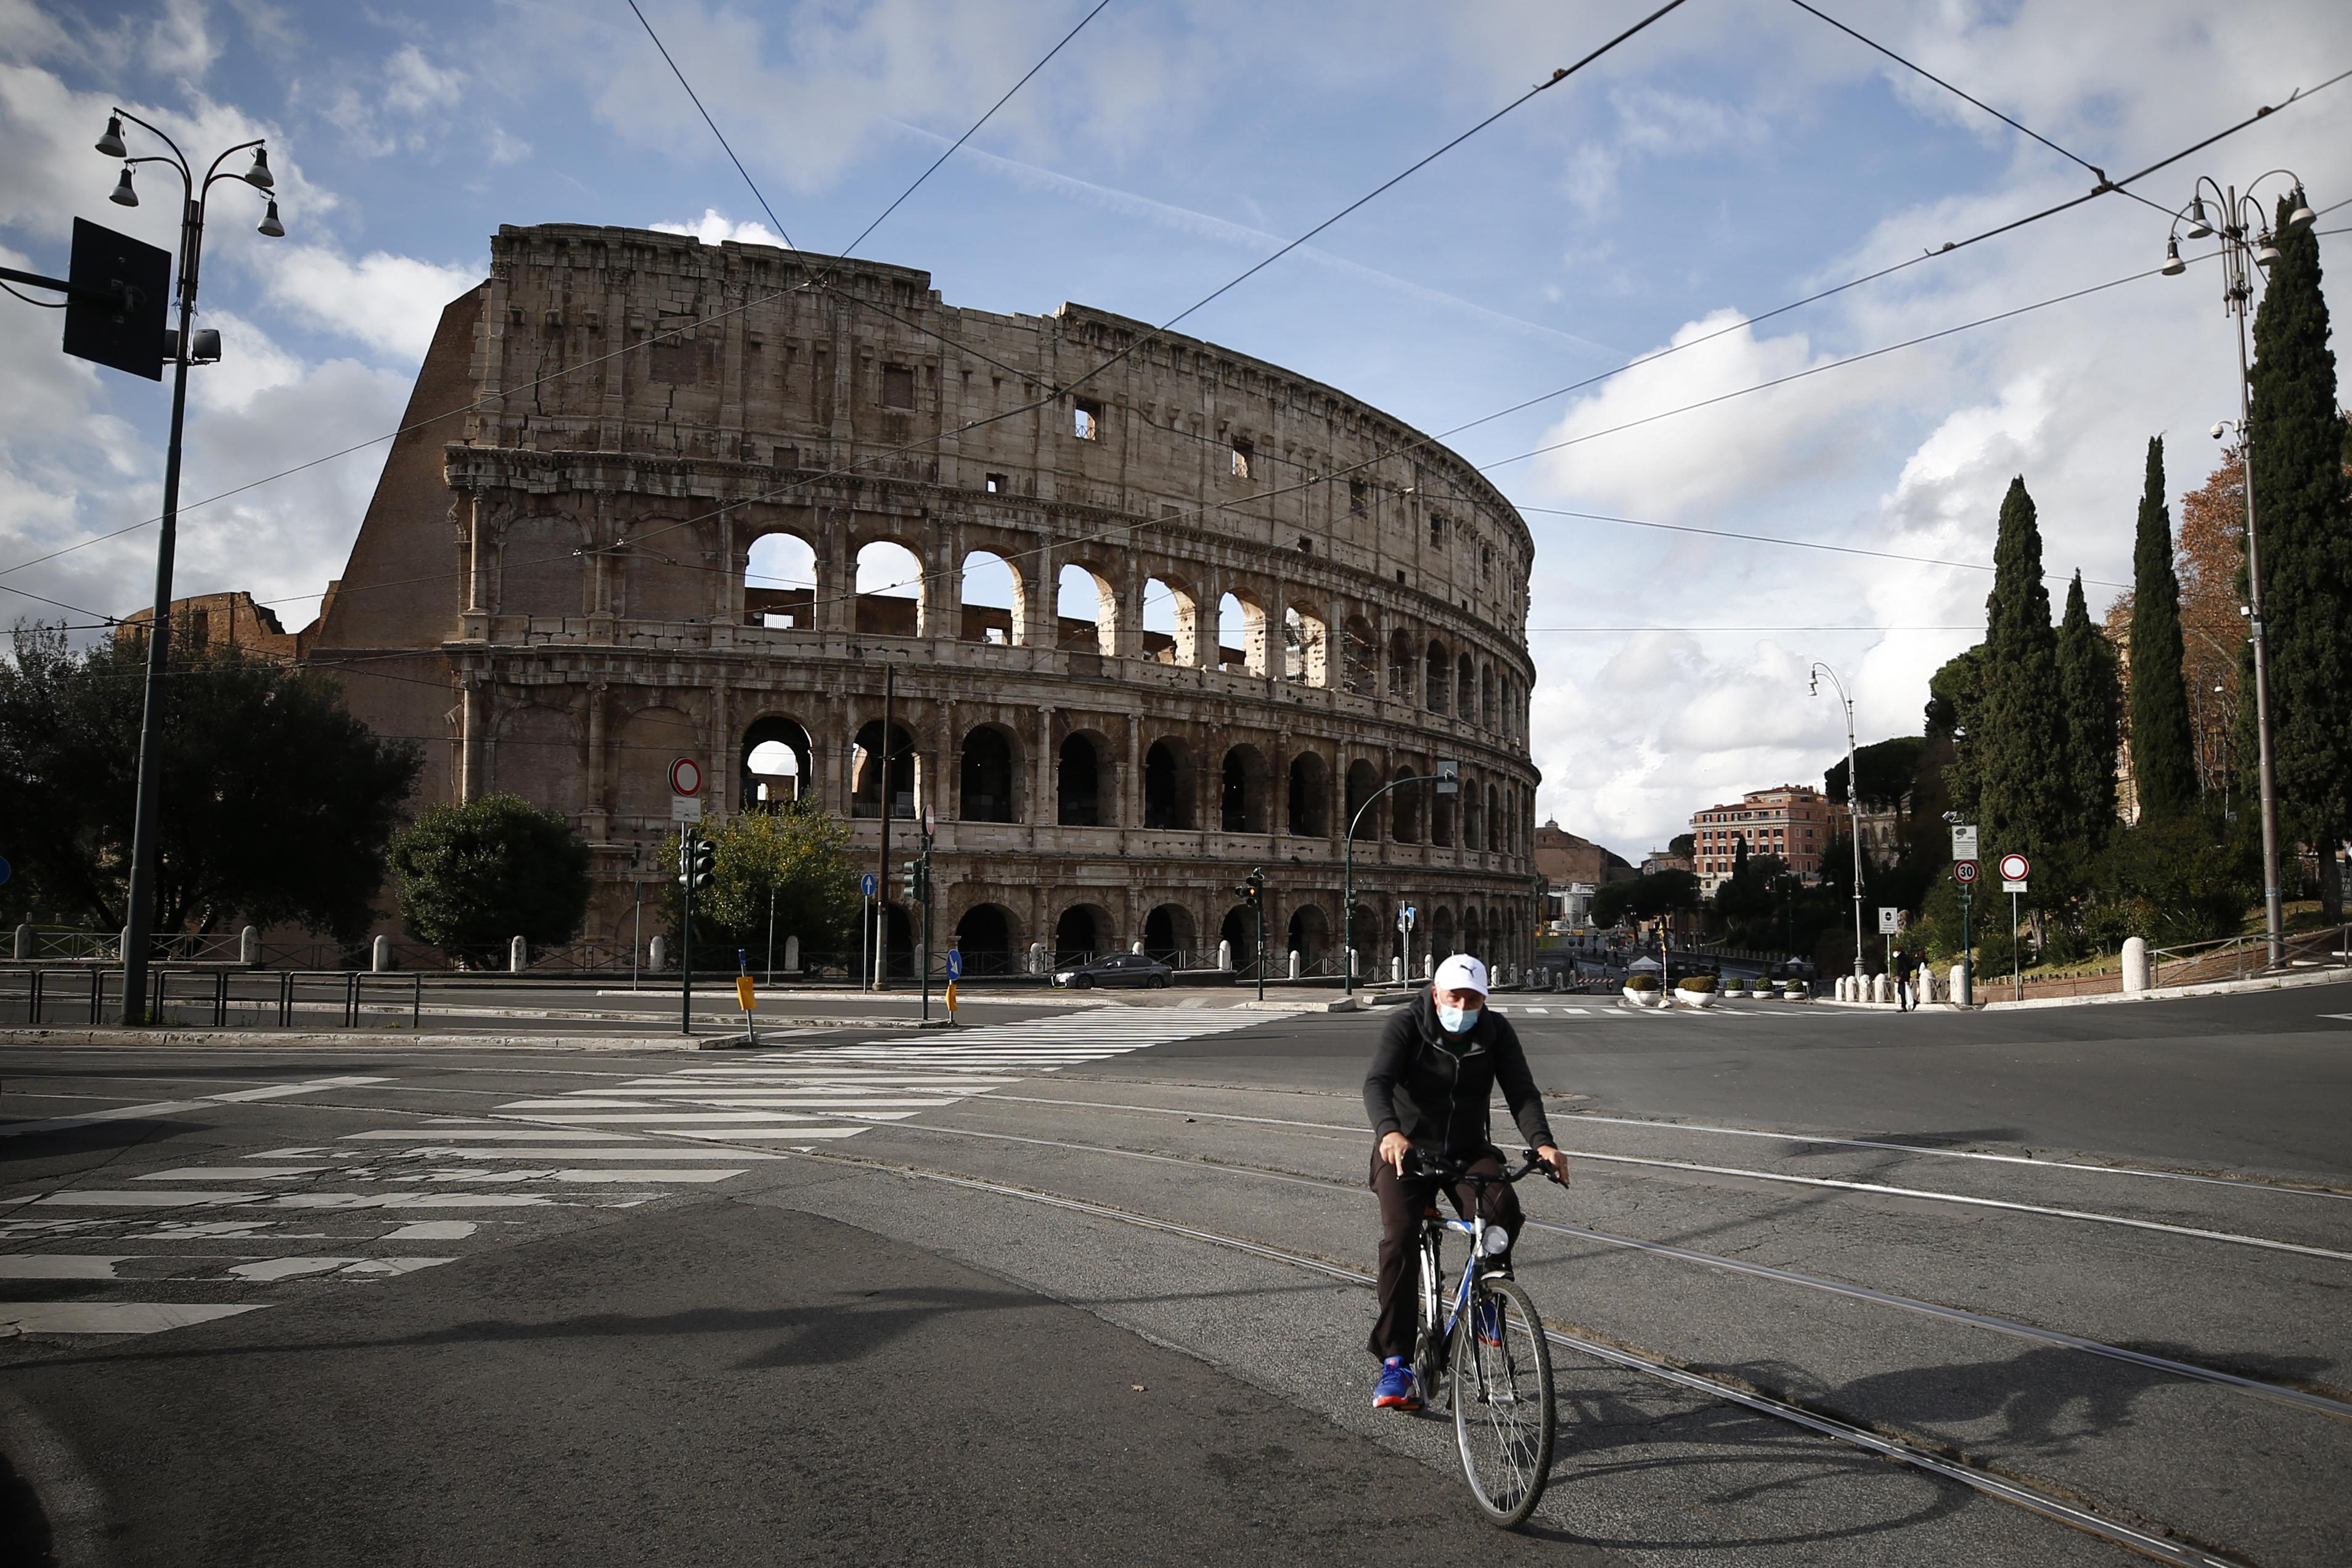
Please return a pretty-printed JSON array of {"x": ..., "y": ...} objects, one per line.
[{"x": 125, "y": 329}]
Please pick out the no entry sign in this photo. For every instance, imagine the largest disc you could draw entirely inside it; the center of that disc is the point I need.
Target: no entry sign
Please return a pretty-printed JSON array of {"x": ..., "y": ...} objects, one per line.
[
  {"x": 686, "y": 777},
  {"x": 2013, "y": 868}
]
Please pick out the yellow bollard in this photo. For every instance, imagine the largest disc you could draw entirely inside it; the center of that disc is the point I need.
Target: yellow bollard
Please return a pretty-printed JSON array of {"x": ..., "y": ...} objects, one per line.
[{"x": 743, "y": 996}]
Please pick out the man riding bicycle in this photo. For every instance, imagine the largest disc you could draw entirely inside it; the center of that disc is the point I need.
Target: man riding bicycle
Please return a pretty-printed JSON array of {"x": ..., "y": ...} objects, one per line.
[{"x": 1428, "y": 1089}]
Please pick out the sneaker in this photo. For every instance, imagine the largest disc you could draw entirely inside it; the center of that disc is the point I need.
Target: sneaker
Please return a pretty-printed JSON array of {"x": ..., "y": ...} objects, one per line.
[{"x": 1396, "y": 1391}]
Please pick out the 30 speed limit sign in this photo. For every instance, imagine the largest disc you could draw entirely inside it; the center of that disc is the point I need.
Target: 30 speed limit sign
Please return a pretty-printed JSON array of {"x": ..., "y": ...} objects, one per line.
[{"x": 1964, "y": 872}]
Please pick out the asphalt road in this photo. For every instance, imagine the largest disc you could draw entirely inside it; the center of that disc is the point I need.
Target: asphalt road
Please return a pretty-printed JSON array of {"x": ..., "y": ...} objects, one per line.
[{"x": 886, "y": 1297}]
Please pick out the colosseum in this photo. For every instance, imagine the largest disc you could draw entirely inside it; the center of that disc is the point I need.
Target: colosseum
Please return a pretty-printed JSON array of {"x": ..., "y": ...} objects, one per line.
[{"x": 1129, "y": 613}]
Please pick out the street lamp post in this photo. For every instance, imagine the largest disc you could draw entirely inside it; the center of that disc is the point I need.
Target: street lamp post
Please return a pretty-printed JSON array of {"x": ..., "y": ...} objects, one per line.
[
  {"x": 139, "y": 919},
  {"x": 2246, "y": 245},
  {"x": 1852, "y": 799},
  {"x": 1448, "y": 780}
]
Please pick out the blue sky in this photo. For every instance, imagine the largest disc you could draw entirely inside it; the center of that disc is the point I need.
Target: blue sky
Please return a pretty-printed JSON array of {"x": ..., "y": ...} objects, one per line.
[{"x": 1738, "y": 154}]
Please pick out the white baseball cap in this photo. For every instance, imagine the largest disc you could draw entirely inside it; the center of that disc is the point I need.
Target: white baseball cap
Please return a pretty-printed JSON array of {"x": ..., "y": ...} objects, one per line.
[{"x": 1460, "y": 973}]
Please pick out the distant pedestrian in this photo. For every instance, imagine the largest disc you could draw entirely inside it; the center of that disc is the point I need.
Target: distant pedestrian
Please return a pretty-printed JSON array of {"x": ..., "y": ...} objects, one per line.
[{"x": 1902, "y": 966}]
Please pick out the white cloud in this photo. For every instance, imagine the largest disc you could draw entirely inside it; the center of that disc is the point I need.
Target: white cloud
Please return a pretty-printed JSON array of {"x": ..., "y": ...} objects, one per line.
[
  {"x": 389, "y": 302},
  {"x": 413, "y": 85},
  {"x": 180, "y": 42},
  {"x": 713, "y": 229}
]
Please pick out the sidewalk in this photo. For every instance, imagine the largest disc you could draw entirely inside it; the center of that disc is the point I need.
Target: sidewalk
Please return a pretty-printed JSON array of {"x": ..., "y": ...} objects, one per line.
[{"x": 2157, "y": 994}]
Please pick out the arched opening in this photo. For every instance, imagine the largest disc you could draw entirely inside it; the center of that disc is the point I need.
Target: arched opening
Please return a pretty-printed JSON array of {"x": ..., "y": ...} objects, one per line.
[
  {"x": 646, "y": 741},
  {"x": 1473, "y": 935},
  {"x": 1465, "y": 689},
  {"x": 537, "y": 755},
  {"x": 899, "y": 950},
  {"x": 1241, "y": 635},
  {"x": 1243, "y": 807},
  {"x": 776, "y": 765},
  {"x": 1368, "y": 935},
  {"x": 540, "y": 571},
  {"x": 866, "y": 766},
  {"x": 1306, "y": 648},
  {"x": 985, "y": 791},
  {"x": 1167, "y": 785},
  {"x": 1086, "y": 611},
  {"x": 1078, "y": 786},
  {"x": 992, "y": 600},
  {"x": 1440, "y": 933},
  {"x": 1494, "y": 823},
  {"x": 1486, "y": 714},
  {"x": 1402, "y": 659},
  {"x": 1310, "y": 936},
  {"x": 1439, "y": 670},
  {"x": 1239, "y": 931},
  {"x": 1474, "y": 819},
  {"x": 1363, "y": 783},
  {"x": 1171, "y": 623},
  {"x": 889, "y": 590},
  {"x": 1083, "y": 932},
  {"x": 780, "y": 582},
  {"x": 1405, "y": 805},
  {"x": 1168, "y": 936},
  {"x": 984, "y": 938},
  {"x": 1360, "y": 658},
  {"x": 1441, "y": 819},
  {"x": 1310, "y": 796}
]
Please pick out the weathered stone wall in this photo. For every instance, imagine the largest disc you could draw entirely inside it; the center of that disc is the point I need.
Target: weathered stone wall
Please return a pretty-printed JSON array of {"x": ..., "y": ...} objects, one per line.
[{"x": 576, "y": 570}]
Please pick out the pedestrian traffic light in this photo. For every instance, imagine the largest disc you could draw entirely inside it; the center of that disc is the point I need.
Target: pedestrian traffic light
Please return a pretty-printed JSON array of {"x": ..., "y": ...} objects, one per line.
[{"x": 915, "y": 881}]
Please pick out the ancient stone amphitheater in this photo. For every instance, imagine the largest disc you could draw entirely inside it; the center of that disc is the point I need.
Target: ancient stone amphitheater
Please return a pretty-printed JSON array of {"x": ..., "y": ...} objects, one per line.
[{"x": 1130, "y": 615}]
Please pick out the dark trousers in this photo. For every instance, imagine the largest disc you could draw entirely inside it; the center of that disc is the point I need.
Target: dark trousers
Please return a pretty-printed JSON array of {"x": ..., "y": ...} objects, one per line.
[{"x": 1403, "y": 1201}]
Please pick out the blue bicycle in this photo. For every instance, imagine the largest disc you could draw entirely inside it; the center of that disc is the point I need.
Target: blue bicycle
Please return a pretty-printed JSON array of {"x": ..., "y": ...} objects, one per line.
[{"x": 1482, "y": 1347}]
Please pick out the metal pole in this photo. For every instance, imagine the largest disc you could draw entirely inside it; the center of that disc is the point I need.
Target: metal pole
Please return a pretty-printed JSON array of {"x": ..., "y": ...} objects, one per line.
[
  {"x": 1259, "y": 903},
  {"x": 771, "y": 937},
  {"x": 2241, "y": 291},
  {"x": 864, "y": 947},
  {"x": 882, "y": 871},
  {"x": 145, "y": 832},
  {"x": 924, "y": 961},
  {"x": 637, "y": 934},
  {"x": 1967, "y": 957},
  {"x": 2016, "y": 959},
  {"x": 686, "y": 936}
]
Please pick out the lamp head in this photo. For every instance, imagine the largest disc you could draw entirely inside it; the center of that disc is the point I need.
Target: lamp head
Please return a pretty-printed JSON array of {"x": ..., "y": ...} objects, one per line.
[
  {"x": 2173, "y": 266},
  {"x": 258, "y": 176},
  {"x": 124, "y": 195},
  {"x": 2265, "y": 249},
  {"x": 2198, "y": 228},
  {"x": 111, "y": 143},
  {"x": 269, "y": 223},
  {"x": 2302, "y": 217}
]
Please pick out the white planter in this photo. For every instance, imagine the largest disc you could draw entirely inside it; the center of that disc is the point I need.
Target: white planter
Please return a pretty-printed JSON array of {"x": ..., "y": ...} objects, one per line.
[
  {"x": 1693, "y": 998},
  {"x": 1645, "y": 998}
]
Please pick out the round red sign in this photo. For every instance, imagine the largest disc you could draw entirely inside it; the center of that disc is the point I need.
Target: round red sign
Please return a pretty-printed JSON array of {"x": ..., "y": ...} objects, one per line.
[
  {"x": 1963, "y": 871},
  {"x": 2013, "y": 868},
  {"x": 686, "y": 777}
]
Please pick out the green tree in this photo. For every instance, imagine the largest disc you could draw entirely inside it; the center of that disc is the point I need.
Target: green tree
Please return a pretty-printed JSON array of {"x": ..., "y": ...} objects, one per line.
[
  {"x": 2088, "y": 688},
  {"x": 2019, "y": 739},
  {"x": 1955, "y": 693},
  {"x": 1890, "y": 772},
  {"x": 1683, "y": 844},
  {"x": 2305, "y": 528},
  {"x": 1645, "y": 897},
  {"x": 2171, "y": 880},
  {"x": 2163, "y": 753},
  {"x": 799, "y": 855},
  {"x": 277, "y": 802},
  {"x": 474, "y": 875}
]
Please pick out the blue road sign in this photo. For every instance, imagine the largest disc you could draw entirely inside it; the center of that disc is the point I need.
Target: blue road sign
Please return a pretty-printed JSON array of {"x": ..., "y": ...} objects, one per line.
[
  {"x": 955, "y": 964},
  {"x": 5, "y": 870},
  {"x": 865, "y": 884}
]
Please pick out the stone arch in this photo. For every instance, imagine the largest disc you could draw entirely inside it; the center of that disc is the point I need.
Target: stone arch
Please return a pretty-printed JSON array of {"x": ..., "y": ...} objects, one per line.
[
  {"x": 647, "y": 741},
  {"x": 1368, "y": 933},
  {"x": 1402, "y": 657},
  {"x": 1406, "y": 805},
  {"x": 989, "y": 938},
  {"x": 1169, "y": 936},
  {"x": 892, "y": 595},
  {"x": 1437, "y": 671},
  {"x": 780, "y": 581},
  {"x": 1082, "y": 930},
  {"x": 988, "y": 788},
  {"x": 1242, "y": 801},
  {"x": 776, "y": 763},
  {"x": 1465, "y": 689},
  {"x": 1171, "y": 621},
  {"x": 1239, "y": 930},
  {"x": 1474, "y": 817},
  {"x": 540, "y": 569},
  {"x": 1309, "y": 935},
  {"x": 866, "y": 758},
  {"x": 1310, "y": 796},
  {"x": 1442, "y": 811},
  {"x": 537, "y": 755},
  {"x": 993, "y": 600},
  {"x": 1168, "y": 772},
  {"x": 1440, "y": 932},
  {"x": 1474, "y": 933},
  {"x": 1363, "y": 784},
  {"x": 1241, "y": 634},
  {"x": 1085, "y": 608},
  {"x": 899, "y": 927},
  {"x": 1306, "y": 645},
  {"x": 1494, "y": 823},
  {"x": 1083, "y": 781},
  {"x": 1360, "y": 658},
  {"x": 662, "y": 572}
]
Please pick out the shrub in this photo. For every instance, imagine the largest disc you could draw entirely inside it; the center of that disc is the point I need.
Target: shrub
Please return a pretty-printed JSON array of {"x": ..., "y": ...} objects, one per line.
[
  {"x": 1640, "y": 982},
  {"x": 474, "y": 873},
  {"x": 1695, "y": 983}
]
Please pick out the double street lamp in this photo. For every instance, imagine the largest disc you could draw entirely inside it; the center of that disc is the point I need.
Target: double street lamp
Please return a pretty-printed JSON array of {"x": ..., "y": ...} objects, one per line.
[
  {"x": 2236, "y": 218},
  {"x": 195, "y": 195},
  {"x": 1448, "y": 780},
  {"x": 1852, "y": 799}
]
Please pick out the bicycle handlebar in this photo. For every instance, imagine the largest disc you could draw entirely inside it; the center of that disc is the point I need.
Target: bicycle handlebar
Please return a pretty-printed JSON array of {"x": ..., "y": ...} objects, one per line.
[{"x": 1420, "y": 1163}]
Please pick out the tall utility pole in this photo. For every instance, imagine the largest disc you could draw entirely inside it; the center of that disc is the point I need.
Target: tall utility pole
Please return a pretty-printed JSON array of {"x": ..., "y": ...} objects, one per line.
[
  {"x": 882, "y": 862},
  {"x": 1448, "y": 780},
  {"x": 138, "y": 918},
  {"x": 2246, "y": 244},
  {"x": 1853, "y": 804}
]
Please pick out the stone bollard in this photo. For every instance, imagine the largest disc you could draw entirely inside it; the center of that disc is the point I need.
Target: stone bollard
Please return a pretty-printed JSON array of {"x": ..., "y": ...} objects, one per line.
[
  {"x": 380, "y": 955},
  {"x": 1225, "y": 957},
  {"x": 518, "y": 956},
  {"x": 24, "y": 944},
  {"x": 1038, "y": 959},
  {"x": 248, "y": 948},
  {"x": 1882, "y": 988},
  {"x": 1958, "y": 971},
  {"x": 1296, "y": 967},
  {"x": 1923, "y": 982},
  {"x": 1135, "y": 948},
  {"x": 1839, "y": 992},
  {"x": 1396, "y": 971},
  {"x": 122, "y": 945},
  {"x": 655, "y": 952},
  {"x": 2136, "y": 977},
  {"x": 792, "y": 955},
  {"x": 1352, "y": 963}
]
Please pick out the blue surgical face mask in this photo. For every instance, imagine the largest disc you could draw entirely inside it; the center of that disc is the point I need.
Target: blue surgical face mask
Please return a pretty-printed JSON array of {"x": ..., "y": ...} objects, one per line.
[{"x": 1456, "y": 1020}]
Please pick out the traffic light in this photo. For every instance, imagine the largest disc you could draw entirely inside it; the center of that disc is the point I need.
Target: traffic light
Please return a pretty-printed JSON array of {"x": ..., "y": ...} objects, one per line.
[
  {"x": 1253, "y": 889},
  {"x": 696, "y": 856},
  {"x": 915, "y": 881}
]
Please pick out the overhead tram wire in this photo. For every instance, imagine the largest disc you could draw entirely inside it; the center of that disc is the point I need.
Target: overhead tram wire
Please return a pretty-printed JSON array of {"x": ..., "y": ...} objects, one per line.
[
  {"x": 1966, "y": 97},
  {"x": 1950, "y": 246}
]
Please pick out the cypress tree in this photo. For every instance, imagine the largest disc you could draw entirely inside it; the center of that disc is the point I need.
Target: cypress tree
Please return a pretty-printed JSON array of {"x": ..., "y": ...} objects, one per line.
[
  {"x": 2018, "y": 743},
  {"x": 2087, "y": 684},
  {"x": 2163, "y": 754},
  {"x": 2304, "y": 527}
]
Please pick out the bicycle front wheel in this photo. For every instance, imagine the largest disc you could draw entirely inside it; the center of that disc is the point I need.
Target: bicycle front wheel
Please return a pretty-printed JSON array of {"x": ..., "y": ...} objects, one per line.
[{"x": 1503, "y": 1401}]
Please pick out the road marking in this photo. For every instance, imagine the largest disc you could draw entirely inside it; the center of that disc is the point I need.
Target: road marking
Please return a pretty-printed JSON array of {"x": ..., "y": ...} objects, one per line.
[
  {"x": 176, "y": 1107},
  {"x": 428, "y": 1151},
  {"x": 101, "y": 1198},
  {"x": 267, "y": 1269},
  {"x": 434, "y": 1230},
  {"x": 112, "y": 1316},
  {"x": 503, "y": 1134},
  {"x": 232, "y": 1173},
  {"x": 61, "y": 1266}
]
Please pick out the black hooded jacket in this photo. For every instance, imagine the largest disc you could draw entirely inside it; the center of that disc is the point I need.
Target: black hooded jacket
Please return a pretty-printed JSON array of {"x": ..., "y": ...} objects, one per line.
[{"x": 1436, "y": 1091}]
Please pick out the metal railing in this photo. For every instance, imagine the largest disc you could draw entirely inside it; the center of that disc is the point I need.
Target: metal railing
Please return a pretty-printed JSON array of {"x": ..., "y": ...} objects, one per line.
[
  {"x": 214, "y": 997},
  {"x": 2243, "y": 957}
]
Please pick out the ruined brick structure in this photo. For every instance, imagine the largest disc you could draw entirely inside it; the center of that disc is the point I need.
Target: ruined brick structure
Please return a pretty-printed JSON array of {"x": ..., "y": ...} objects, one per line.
[{"x": 551, "y": 588}]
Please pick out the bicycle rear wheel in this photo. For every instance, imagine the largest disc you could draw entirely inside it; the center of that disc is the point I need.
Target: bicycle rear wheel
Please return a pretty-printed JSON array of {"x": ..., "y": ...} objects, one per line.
[
  {"x": 1503, "y": 1418},
  {"x": 1429, "y": 1342}
]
